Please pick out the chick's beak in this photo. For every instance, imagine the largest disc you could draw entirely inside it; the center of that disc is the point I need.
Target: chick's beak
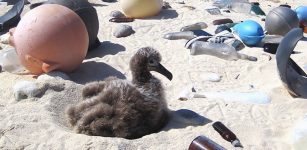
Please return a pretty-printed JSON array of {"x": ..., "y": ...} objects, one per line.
[{"x": 162, "y": 70}]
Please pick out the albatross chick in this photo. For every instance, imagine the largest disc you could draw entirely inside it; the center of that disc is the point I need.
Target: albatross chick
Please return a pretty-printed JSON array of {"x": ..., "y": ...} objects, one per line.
[{"x": 120, "y": 108}]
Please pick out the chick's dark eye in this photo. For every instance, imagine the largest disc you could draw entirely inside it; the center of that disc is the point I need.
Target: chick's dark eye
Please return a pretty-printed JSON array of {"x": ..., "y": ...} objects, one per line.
[{"x": 151, "y": 62}]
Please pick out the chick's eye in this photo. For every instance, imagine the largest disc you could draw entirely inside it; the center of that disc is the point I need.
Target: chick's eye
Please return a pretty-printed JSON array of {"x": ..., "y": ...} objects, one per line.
[{"x": 151, "y": 62}]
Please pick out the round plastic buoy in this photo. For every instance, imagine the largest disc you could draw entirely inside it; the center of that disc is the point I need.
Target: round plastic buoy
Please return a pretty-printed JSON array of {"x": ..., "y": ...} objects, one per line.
[
  {"x": 87, "y": 13},
  {"x": 141, "y": 8},
  {"x": 50, "y": 37},
  {"x": 250, "y": 32},
  {"x": 281, "y": 20},
  {"x": 301, "y": 13}
]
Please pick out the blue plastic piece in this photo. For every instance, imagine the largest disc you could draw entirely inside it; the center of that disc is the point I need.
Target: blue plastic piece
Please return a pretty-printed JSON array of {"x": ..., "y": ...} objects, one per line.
[
  {"x": 301, "y": 12},
  {"x": 250, "y": 32}
]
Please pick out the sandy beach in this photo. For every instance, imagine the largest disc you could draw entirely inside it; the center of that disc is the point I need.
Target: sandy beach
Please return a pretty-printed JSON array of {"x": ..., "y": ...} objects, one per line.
[{"x": 40, "y": 123}]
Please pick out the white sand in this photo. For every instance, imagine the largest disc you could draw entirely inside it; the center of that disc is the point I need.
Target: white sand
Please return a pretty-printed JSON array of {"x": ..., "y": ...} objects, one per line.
[{"x": 39, "y": 123}]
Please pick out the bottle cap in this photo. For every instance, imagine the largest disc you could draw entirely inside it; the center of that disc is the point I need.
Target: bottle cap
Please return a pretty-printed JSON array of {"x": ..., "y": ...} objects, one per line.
[{"x": 236, "y": 143}]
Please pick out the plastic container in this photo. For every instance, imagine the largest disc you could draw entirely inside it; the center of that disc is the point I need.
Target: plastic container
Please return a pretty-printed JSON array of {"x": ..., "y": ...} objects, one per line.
[
  {"x": 220, "y": 50},
  {"x": 10, "y": 62},
  {"x": 204, "y": 143}
]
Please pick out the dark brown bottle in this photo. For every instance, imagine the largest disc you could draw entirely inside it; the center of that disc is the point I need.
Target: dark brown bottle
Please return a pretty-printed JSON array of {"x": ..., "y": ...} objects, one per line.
[
  {"x": 226, "y": 134},
  {"x": 204, "y": 143}
]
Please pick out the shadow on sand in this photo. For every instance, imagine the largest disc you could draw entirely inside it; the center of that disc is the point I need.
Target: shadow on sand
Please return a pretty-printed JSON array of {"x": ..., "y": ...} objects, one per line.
[
  {"x": 183, "y": 118},
  {"x": 94, "y": 71},
  {"x": 106, "y": 48},
  {"x": 164, "y": 14}
]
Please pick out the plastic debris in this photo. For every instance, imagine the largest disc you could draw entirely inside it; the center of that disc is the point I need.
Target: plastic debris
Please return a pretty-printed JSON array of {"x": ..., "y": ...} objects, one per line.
[
  {"x": 220, "y": 50},
  {"x": 10, "y": 61},
  {"x": 213, "y": 10},
  {"x": 179, "y": 35}
]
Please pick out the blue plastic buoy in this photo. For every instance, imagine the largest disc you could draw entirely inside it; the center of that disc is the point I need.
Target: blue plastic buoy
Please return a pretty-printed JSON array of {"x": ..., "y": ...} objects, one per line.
[
  {"x": 301, "y": 12},
  {"x": 250, "y": 32}
]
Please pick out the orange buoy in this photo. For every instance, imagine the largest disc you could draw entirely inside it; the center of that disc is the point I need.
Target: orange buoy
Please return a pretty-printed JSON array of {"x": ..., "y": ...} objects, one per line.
[{"x": 50, "y": 37}]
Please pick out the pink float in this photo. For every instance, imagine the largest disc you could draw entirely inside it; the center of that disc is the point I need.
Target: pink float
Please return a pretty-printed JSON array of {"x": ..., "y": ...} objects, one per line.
[{"x": 50, "y": 37}]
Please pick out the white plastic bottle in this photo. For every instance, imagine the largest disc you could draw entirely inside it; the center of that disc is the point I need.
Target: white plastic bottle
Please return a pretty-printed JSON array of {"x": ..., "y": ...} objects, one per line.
[{"x": 220, "y": 50}]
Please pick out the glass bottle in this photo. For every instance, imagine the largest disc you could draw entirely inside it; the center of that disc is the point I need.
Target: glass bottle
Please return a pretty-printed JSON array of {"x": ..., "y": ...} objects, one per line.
[
  {"x": 204, "y": 143},
  {"x": 226, "y": 134}
]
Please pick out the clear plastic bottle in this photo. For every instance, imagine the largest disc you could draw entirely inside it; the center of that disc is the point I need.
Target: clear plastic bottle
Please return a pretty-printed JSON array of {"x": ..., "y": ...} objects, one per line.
[
  {"x": 195, "y": 26},
  {"x": 180, "y": 35},
  {"x": 10, "y": 61},
  {"x": 220, "y": 50}
]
